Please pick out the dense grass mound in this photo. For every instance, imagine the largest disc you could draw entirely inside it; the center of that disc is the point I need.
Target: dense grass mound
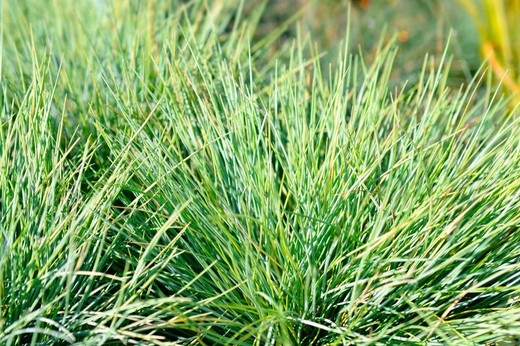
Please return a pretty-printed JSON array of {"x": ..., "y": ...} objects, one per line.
[{"x": 164, "y": 179}]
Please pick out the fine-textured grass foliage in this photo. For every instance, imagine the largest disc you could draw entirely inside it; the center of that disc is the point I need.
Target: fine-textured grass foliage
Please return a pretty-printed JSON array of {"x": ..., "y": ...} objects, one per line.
[{"x": 166, "y": 179}]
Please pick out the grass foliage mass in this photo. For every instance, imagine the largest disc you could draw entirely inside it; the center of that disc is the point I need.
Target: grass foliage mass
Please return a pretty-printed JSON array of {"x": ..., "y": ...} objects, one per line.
[{"x": 167, "y": 179}]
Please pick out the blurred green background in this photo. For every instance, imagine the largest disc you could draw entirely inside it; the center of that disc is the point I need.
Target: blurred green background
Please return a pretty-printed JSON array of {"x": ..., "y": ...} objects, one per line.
[{"x": 420, "y": 27}]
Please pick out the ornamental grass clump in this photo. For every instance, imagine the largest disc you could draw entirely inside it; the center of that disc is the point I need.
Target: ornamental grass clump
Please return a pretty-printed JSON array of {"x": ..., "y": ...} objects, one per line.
[{"x": 166, "y": 180}]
